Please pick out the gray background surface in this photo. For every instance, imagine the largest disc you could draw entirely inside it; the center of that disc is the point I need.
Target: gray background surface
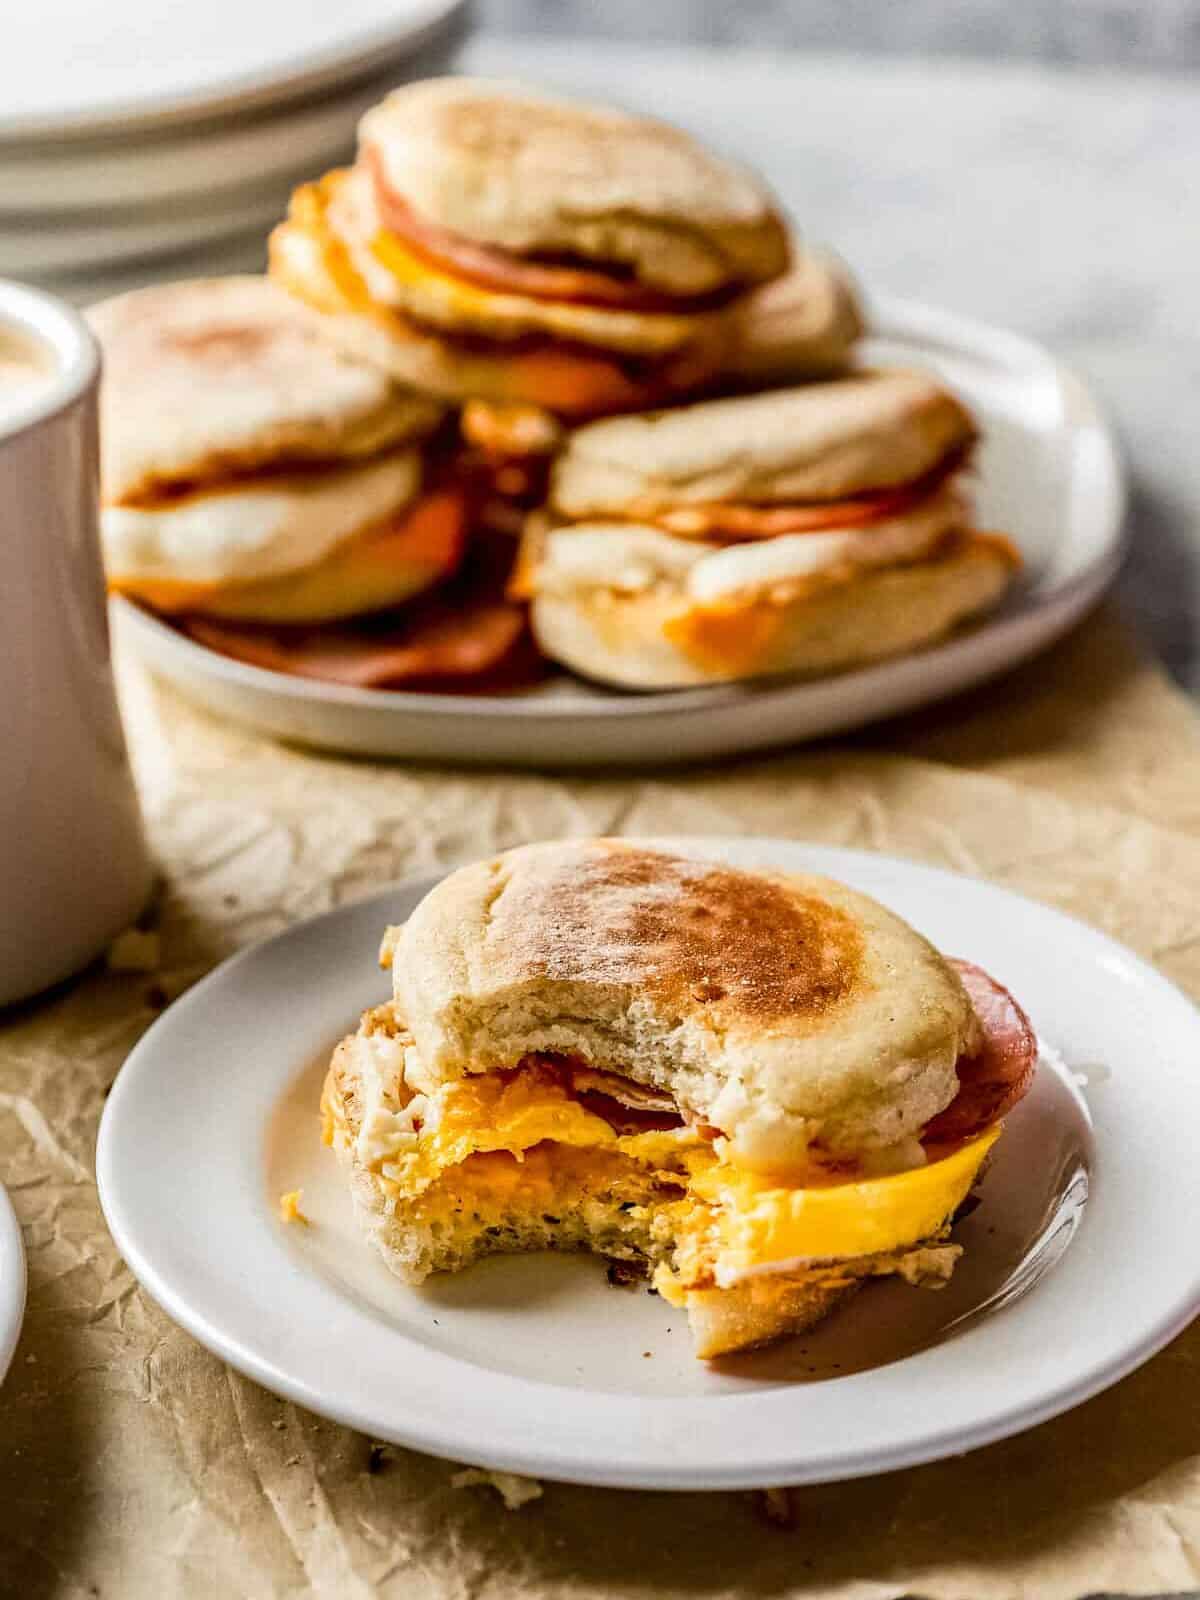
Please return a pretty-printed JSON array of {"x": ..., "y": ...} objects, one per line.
[{"x": 1151, "y": 33}]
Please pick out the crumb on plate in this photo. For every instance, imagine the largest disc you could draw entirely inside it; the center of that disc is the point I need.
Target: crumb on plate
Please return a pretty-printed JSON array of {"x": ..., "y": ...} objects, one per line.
[
  {"x": 776, "y": 1505},
  {"x": 513, "y": 1489},
  {"x": 135, "y": 950}
]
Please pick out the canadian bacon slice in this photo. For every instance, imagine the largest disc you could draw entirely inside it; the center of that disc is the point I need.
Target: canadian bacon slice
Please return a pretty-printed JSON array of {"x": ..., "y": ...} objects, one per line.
[
  {"x": 433, "y": 533},
  {"x": 636, "y": 1096},
  {"x": 999, "y": 1074},
  {"x": 456, "y": 645},
  {"x": 766, "y": 522},
  {"x": 569, "y": 379},
  {"x": 736, "y": 521},
  {"x": 492, "y": 268}
]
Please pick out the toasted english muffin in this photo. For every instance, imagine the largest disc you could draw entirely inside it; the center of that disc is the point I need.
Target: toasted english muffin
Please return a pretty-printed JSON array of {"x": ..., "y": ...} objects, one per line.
[
  {"x": 803, "y": 325},
  {"x": 539, "y": 174},
  {"x": 849, "y": 437},
  {"x": 779, "y": 1011},
  {"x": 662, "y": 636},
  {"x": 211, "y": 378},
  {"x": 765, "y": 1088}
]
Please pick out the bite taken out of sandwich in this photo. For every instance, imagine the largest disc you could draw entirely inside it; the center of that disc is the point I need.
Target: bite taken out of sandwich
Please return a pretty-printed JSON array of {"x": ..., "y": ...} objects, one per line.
[
  {"x": 277, "y": 500},
  {"x": 801, "y": 530},
  {"x": 505, "y": 245},
  {"x": 765, "y": 1090}
]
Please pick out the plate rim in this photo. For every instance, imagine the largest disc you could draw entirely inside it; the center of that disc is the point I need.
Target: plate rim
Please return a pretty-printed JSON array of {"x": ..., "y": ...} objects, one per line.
[
  {"x": 381, "y": 44},
  {"x": 328, "y": 123},
  {"x": 12, "y": 1305},
  {"x": 455, "y": 1442},
  {"x": 890, "y": 317}
]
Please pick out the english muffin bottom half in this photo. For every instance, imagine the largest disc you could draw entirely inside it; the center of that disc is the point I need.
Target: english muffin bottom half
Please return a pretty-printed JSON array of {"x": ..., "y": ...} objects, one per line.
[
  {"x": 798, "y": 530},
  {"x": 250, "y": 472},
  {"x": 496, "y": 243},
  {"x": 762, "y": 1089}
]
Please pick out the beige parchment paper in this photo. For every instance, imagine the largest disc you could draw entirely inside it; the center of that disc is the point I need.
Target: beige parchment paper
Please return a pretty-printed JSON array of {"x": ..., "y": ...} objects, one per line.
[{"x": 134, "y": 1465}]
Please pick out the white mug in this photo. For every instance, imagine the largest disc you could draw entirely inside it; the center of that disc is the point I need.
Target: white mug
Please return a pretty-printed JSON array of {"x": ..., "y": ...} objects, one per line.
[{"x": 74, "y": 870}]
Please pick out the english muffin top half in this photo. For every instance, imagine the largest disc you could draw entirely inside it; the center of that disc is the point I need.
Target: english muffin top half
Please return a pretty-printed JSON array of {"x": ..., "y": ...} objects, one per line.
[
  {"x": 780, "y": 1010},
  {"x": 858, "y": 435},
  {"x": 543, "y": 176},
  {"x": 214, "y": 378}
]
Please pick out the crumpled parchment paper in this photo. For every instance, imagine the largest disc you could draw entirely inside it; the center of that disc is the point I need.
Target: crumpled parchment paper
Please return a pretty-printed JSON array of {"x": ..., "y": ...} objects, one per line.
[{"x": 135, "y": 1466}]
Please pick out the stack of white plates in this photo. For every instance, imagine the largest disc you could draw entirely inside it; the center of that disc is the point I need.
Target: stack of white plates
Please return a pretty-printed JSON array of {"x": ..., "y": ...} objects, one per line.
[{"x": 141, "y": 136}]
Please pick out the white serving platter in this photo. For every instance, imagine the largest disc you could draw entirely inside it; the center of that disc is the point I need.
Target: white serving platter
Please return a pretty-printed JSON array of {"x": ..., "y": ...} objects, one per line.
[
  {"x": 114, "y": 180},
  {"x": 71, "y": 69},
  {"x": 64, "y": 247},
  {"x": 1048, "y": 474},
  {"x": 1080, "y": 1258}
]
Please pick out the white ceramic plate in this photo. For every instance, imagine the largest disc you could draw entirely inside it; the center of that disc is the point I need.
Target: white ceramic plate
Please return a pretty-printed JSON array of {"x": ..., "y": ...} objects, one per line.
[
  {"x": 74, "y": 69},
  {"x": 12, "y": 1281},
  {"x": 535, "y": 1365},
  {"x": 1048, "y": 474},
  {"x": 211, "y": 162},
  {"x": 211, "y": 165},
  {"x": 63, "y": 247}
]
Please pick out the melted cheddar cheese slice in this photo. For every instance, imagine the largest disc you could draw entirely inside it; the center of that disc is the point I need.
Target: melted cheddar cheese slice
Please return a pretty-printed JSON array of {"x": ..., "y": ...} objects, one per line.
[
  {"x": 753, "y": 1226},
  {"x": 433, "y": 294},
  {"x": 718, "y": 1222}
]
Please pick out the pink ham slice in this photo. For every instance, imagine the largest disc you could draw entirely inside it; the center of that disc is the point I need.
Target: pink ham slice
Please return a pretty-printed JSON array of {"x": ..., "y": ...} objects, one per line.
[
  {"x": 999, "y": 1074},
  {"x": 738, "y": 522},
  {"x": 458, "y": 644},
  {"x": 506, "y": 273},
  {"x": 627, "y": 1093}
]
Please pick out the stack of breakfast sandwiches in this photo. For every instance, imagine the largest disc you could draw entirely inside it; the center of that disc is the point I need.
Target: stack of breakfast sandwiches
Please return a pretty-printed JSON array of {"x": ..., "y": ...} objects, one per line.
[{"x": 533, "y": 383}]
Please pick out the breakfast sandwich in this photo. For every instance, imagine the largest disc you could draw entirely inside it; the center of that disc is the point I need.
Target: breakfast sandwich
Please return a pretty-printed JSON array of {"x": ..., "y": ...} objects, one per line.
[
  {"x": 797, "y": 530},
  {"x": 801, "y": 326},
  {"x": 266, "y": 493},
  {"x": 504, "y": 245},
  {"x": 248, "y": 471},
  {"x": 762, "y": 1089}
]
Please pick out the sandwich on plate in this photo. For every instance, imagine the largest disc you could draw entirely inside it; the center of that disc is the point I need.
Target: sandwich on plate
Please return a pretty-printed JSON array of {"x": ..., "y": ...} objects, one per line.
[
  {"x": 268, "y": 494},
  {"x": 764, "y": 1089},
  {"x": 496, "y": 243},
  {"x": 799, "y": 327},
  {"x": 797, "y": 530}
]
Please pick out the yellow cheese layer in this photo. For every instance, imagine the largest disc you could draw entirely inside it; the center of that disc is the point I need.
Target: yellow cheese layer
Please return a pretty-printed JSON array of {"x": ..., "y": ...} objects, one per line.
[
  {"x": 486, "y": 1113},
  {"x": 435, "y": 294},
  {"x": 744, "y": 1224},
  {"x": 729, "y": 1223}
]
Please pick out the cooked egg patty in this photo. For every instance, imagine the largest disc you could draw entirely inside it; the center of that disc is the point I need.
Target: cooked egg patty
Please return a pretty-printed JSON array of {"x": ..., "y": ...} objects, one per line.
[{"x": 473, "y": 1164}]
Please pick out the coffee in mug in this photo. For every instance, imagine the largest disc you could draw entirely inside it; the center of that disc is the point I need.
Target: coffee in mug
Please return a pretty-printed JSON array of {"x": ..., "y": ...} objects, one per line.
[{"x": 26, "y": 370}]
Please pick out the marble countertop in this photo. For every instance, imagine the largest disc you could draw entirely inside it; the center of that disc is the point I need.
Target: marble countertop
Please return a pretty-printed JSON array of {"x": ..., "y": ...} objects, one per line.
[
  {"x": 1148, "y": 33},
  {"x": 1052, "y": 200}
]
